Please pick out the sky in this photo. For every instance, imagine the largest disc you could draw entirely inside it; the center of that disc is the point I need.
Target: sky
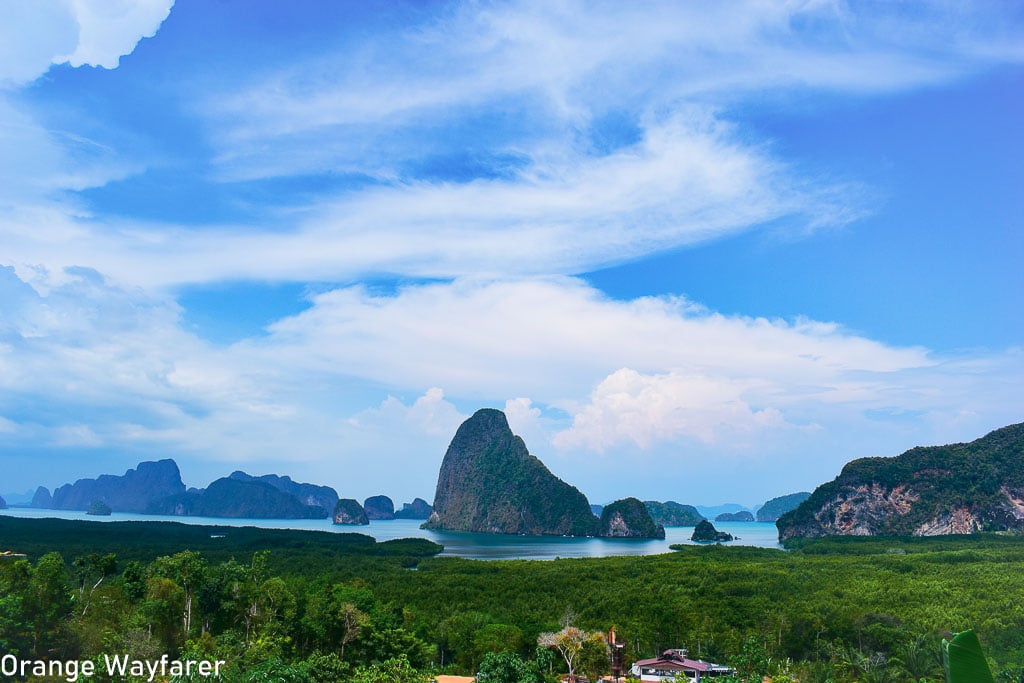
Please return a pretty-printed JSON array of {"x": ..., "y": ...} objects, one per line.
[{"x": 705, "y": 252}]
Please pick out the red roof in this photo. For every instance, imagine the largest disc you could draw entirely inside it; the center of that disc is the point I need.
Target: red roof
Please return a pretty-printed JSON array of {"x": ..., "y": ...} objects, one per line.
[
  {"x": 685, "y": 663},
  {"x": 671, "y": 660}
]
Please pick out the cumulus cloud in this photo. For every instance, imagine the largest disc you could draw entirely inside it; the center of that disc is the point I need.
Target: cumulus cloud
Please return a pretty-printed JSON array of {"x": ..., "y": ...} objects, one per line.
[
  {"x": 430, "y": 414},
  {"x": 645, "y": 409},
  {"x": 35, "y": 35}
]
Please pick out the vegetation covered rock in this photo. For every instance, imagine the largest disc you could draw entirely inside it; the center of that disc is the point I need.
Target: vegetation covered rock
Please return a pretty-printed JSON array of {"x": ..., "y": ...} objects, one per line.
[
  {"x": 490, "y": 483},
  {"x": 313, "y": 495},
  {"x": 741, "y": 516},
  {"x": 926, "y": 491},
  {"x": 98, "y": 508},
  {"x": 379, "y": 507},
  {"x": 705, "y": 532},
  {"x": 628, "y": 518},
  {"x": 417, "y": 509},
  {"x": 349, "y": 511},
  {"x": 227, "y": 497},
  {"x": 671, "y": 513}
]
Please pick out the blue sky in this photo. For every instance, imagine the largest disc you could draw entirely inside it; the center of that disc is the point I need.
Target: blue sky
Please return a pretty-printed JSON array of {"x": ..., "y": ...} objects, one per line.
[{"x": 697, "y": 251}]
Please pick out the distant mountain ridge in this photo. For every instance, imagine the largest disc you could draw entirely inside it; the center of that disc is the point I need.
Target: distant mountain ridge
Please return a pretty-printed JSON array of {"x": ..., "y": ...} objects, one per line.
[
  {"x": 232, "y": 497},
  {"x": 157, "y": 488},
  {"x": 312, "y": 495},
  {"x": 926, "y": 491},
  {"x": 135, "y": 491}
]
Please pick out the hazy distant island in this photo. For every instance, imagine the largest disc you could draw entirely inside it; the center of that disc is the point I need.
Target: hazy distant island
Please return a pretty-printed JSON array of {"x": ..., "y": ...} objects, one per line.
[
  {"x": 99, "y": 509},
  {"x": 671, "y": 513},
  {"x": 741, "y": 516},
  {"x": 776, "y": 507},
  {"x": 379, "y": 507},
  {"x": 417, "y": 509}
]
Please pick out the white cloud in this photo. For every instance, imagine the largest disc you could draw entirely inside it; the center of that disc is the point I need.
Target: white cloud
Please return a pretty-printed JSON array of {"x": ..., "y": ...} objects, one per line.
[
  {"x": 429, "y": 414},
  {"x": 110, "y": 29},
  {"x": 685, "y": 182},
  {"x": 562, "y": 64},
  {"x": 34, "y": 35},
  {"x": 76, "y": 436},
  {"x": 646, "y": 409}
]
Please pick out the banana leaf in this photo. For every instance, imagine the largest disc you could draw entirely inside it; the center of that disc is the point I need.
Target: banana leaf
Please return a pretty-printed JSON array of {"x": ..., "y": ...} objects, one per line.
[{"x": 964, "y": 660}]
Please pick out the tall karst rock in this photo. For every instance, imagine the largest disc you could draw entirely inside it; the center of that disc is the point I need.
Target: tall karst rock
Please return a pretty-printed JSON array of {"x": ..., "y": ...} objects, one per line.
[
  {"x": 135, "y": 491},
  {"x": 955, "y": 489},
  {"x": 490, "y": 483}
]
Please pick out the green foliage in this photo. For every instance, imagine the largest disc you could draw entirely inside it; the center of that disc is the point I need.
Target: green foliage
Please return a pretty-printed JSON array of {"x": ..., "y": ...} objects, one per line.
[
  {"x": 964, "y": 660},
  {"x": 971, "y": 475},
  {"x": 98, "y": 507},
  {"x": 507, "y": 667},
  {"x": 834, "y": 609},
  {"x": 397, "y": 670}
]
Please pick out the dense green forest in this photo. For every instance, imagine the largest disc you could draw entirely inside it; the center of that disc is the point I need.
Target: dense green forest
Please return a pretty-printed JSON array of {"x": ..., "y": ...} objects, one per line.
[{"x": 314, "y": 607}]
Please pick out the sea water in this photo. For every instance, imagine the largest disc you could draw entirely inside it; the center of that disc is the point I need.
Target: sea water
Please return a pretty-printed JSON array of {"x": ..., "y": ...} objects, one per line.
[{"x": 457, "y": 544}]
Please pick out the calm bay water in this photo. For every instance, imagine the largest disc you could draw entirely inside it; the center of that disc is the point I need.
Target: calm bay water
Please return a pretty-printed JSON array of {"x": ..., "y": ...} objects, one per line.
[{"x": 459, "y": 544}]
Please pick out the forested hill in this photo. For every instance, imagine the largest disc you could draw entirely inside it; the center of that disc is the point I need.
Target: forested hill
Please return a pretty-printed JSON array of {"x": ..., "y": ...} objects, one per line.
[{"x": 927, "y": 491}]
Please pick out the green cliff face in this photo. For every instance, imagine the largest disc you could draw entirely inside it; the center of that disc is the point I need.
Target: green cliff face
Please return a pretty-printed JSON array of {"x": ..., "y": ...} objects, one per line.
[
  {"x": 705, "y": 532},
  {"x": 628, "y": 518},
  {"x": 349, "y": 511},
  {"x": 490, "y": 483},
  {"x": 938, "y": 490}
]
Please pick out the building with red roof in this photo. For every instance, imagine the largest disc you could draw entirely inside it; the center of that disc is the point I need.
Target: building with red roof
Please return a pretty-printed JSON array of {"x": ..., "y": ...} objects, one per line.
[{"x": 672, "y": 663}]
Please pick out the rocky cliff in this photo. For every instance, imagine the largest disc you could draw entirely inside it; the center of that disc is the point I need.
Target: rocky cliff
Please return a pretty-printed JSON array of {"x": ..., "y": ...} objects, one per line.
[
  {"x": 379, "y": 507},
  {"x": 490, "y": 483},
  {"x": 349, "y": 511},
  {"x": 134, "y": 491},
  {"x": 628, "y": 518},
  {"x": 42, "y": 498},
  {"x": 705, "y": 532},
  {"x": 938, "y": 490},
  {"x": 228, "y": 497},
  {"x": 776, "y": 507},
  {"x": 417, "y": 509},
  {"x": 671, "y": 513},
  {"x": 308, "y": 494},
  {"x": 3, "y": 503}
]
